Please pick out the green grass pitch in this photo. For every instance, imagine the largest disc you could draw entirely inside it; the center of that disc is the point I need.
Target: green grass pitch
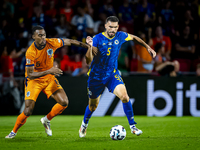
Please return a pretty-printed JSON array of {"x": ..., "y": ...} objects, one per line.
[{"x": 172, "y": 133}]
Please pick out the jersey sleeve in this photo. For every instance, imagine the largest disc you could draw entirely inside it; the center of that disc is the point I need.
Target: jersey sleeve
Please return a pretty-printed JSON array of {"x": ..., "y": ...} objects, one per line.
[
  {"x": 30, "y": 58},
  {"x": 95, "y": 41},
  {"x": 56, "y": 42},
  {"x": 125, "y": 37}
]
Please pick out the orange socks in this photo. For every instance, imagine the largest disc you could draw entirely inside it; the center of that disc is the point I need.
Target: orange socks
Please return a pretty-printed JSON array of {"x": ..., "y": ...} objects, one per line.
[
  {"x": 56, "y": 110},
  {"x": 21, "y": 120}
]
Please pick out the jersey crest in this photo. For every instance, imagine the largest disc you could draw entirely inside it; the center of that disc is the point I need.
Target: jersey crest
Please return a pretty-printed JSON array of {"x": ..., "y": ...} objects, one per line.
[{"x": 50, "y": 52}]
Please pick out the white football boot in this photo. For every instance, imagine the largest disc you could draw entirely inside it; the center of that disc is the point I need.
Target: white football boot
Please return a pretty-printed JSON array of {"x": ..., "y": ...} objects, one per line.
[
  {"x": 136, "y": 131},
  {"x": 46, "y": 124},
  {"x": 82, "y": 130},
  {"x": 11, "y": 135}
]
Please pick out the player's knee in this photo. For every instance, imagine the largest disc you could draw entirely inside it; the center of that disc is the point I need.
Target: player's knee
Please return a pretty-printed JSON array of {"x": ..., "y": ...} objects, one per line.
[
  {"x": 64, "y": 102},
  {"x": 92, "y": 107},
  {"x": 124, "y": 98},
  {"x": 28, "y": 111}
]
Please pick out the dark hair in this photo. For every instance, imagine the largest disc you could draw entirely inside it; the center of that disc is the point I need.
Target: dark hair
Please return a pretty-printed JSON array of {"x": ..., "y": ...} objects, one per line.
[
  {"x": 158, "y": 46},
  {"x": 112, "y": 19},
  {"x": 38, "y": 27}
]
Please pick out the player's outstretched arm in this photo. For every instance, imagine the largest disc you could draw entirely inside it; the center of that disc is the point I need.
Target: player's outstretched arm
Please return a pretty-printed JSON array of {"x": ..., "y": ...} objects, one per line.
[
  {"x": 89, "y": 56},
  {"x": 33, "y": 75},
  {"x": 70, "y": 42},
  {"x": 141, "y": 42}
]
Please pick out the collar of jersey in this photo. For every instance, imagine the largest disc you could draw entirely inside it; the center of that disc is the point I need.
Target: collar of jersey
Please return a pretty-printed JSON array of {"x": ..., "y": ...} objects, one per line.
[
  {"x": 39, "y": 48},
  {"x": 106, "y": 36}
]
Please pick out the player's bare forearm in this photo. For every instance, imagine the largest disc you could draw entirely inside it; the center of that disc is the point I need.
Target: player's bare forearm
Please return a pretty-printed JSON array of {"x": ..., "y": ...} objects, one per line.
[
  {"x": 70, "y": 42},
  {"x": 89, "y": 56},
  {"x": 33, "y": 75}
]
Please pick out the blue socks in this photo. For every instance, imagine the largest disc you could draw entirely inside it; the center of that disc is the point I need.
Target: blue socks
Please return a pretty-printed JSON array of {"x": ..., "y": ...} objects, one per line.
[
  {"x": 87, "y": 115},
  {"x": 129, "y": 112}
]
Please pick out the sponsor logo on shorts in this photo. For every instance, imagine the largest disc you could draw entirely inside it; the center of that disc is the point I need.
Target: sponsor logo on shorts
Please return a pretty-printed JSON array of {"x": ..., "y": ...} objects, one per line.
[
  {"x": 89, "y": 92},
  {"x": 28, "y": 93},
  {"x": 28, "y": 61}
]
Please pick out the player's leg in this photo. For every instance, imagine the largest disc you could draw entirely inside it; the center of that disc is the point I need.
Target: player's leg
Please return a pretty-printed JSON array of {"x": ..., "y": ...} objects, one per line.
[
  {"x": 95, "y": 89},
  {"x": 32, "y": 90},
  {"x": 116, "y": 85},
  {"x": 62, "y": 103},
  {"x": 120, "y": 91},
  {"x": 93, "y": 103},
  {"x": 21, "y": 119},
  {"x": 55, "y": 91}
]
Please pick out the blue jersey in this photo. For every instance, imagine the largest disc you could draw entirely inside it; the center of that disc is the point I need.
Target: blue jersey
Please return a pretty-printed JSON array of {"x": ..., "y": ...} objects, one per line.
[{"x": 105, "y": 62}]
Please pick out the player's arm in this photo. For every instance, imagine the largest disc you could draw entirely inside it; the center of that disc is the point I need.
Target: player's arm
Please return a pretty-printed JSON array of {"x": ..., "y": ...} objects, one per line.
[
  {"x": 89, "y": 56},
  {"x": 33, "y": 75},
  {"x": 141, "y": 42},
  {"x": 70, "y": 42}
]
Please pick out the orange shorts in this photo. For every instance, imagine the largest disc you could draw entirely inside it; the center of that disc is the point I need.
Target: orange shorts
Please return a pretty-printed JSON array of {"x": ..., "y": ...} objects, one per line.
[{"x": 34, "y": 87}]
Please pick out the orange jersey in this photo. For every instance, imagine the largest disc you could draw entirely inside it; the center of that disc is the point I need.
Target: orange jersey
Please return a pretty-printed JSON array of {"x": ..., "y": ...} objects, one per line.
[{"x": 42, "y": 60}]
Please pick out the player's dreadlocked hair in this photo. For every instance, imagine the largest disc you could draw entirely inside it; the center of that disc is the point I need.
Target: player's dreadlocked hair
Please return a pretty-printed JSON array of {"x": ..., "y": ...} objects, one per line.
[
  {"x": 38, "y": 27},
  {"x": 112, "y": 19}
]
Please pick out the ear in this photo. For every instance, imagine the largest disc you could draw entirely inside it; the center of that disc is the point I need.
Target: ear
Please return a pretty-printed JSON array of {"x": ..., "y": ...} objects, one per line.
[
  {"x": 33, "y": 36},
  {"x": 105, "y": 25}
]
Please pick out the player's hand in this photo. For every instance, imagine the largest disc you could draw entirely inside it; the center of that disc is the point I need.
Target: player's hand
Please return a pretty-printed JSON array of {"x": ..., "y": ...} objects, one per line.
[
  {"x": 55, "y": 71},
  {"x": 151, "y": 51},
  {"x": 94, "y": 50},
  {"x": 89, "y": 40}
]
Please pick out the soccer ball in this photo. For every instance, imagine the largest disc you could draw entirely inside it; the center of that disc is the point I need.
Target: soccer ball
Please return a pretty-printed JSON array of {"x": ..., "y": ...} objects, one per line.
[{"x": 117, "y": 132}]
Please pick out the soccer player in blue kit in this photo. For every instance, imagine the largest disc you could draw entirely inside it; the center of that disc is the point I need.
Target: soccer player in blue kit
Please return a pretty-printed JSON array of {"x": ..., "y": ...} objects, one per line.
[{"x": 103, "y": 71}]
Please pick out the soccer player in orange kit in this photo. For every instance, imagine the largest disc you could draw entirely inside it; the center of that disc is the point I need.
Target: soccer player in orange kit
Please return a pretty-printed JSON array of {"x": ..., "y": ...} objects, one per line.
[{"x": 40, "y": 76}]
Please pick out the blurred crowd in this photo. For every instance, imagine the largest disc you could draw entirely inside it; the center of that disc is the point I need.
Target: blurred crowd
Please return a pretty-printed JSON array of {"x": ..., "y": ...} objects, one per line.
[{"x": 170, "y": 27}]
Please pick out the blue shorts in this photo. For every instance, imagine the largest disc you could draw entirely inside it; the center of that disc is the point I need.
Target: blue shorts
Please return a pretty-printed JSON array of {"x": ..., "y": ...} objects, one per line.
[{"x": 96, "y": 87}]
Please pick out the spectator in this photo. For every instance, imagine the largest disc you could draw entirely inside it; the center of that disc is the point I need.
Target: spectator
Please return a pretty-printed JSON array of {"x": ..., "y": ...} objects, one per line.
[
  {"x": 81, "y": 71},
  {"x": 160, "y": 51},
  {"x": 7, "y": 9},
  {"x": 83, "y": 26},
  {"x": 83, "y": 22},
  {"x": 67, "y": 10},
  {"x": 165, "y": 40},
  {"x": 63, "y": 27},
  {"x": 22, "y": 28},
  {"x": 185, "y": 45},
  {"x": 123, "y": 62},
  {"x": 145, "y": 60},
  {"x": 163, "y": 67},
  {"x": 167, "y": 13},
  {"x": 102, "y": 18},
  {"x": 107, "y": 8},
  {"x": 188, "y": 20},
  {"x": 145, "y": 7},
  {"x": 39, "y": 18},
  {"x": 51, "y": 11},
  {"x": 127, "y": 47},
  {"x": 143, "y": 25},
  {"x": 169, "y": 69},
  {"x": 9, "y": 85},
  {"x": 198, "y": 70},
  {"x": 88, "y": 8},
  {"x": 65, "y": 61},
  {"x": 125, "y": 12}
]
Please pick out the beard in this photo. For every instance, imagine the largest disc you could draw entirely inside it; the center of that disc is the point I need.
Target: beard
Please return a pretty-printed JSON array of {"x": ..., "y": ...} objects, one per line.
[{"x": 111, "y": 34}]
